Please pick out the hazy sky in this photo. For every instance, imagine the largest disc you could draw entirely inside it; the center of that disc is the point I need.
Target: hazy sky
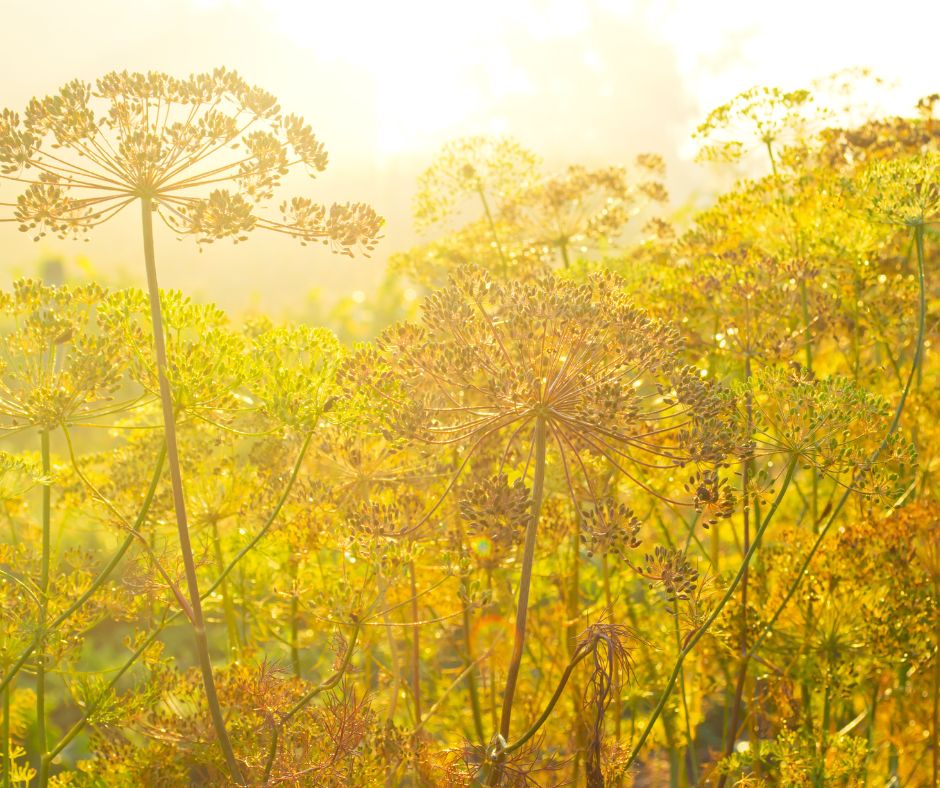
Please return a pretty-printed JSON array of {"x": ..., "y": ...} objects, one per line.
[{"x": 385, "y": 83}]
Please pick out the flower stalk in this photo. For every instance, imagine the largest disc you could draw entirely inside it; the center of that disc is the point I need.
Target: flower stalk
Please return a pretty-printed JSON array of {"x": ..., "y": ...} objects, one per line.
[{"x": 179, "y": 500}]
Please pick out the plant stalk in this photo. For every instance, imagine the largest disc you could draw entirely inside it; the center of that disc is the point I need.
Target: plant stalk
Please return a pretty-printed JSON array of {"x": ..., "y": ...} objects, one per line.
[
  {"x": 700, "y": 632},
  {"x": 489, "y": 219},
  {"x": 5, "y": 735},
  {"x": 525, "y": 580},
  {"x": 179, "y": 501},
  {"x": 43, "y": 776}
]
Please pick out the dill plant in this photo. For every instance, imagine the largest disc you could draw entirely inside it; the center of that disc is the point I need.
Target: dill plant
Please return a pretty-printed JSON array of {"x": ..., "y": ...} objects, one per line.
[
  {"x": 205, "y": 154},
  {"x": 556, "y": 536},
  {"x": 576, "y": 366}
]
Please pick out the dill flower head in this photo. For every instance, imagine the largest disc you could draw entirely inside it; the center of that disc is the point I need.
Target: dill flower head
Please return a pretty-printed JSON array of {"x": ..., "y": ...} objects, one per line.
[
  {"x": 832, "y": 425},
  {"x": 294, "y": 380},
  {"x": 209, "y": 151},
  {"x": 759, "y": 117},
  {"x": 495, "y": 513},
  {"x": 605, "y": 379},
  {"x": 585, "y": 208},
  {"x": 17, "y": 477},
  {"x": 58, "y": 363},
  {"x": 904, "y": 191},
  {"x": 208, "y": 361},
  {"x": 498, "y": 168}
]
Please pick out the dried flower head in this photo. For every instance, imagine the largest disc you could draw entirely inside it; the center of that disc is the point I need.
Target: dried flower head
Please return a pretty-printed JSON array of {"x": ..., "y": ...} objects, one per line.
[
  {"x": 712, "y": 496},
  {"x": 496, "y": 514},
  {"x": 208, "y": 152},
  {"x": 610, "y": 529},
  {"x": 611, "y": 664},
  {"x": 492, "y": 358},
  {"x": 671, "y": 570}
]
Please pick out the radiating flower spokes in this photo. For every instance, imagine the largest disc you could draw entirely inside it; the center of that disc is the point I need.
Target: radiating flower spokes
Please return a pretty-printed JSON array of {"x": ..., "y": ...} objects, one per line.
[
  {"x": 832, "y": 425},
  {"x": 209, "y": 151},
  {"x": 584, "y": 208},
  {"x": 58, "y": 362},
  {"x": 492, "y": 358}
]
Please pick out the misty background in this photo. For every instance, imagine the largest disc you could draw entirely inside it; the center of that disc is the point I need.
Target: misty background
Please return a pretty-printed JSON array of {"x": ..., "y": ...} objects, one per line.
[{"x": 385, "y": 84}]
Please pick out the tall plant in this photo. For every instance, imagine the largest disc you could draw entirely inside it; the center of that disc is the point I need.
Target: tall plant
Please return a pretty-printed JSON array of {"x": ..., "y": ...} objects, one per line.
[{"x": 206, "y": 155}]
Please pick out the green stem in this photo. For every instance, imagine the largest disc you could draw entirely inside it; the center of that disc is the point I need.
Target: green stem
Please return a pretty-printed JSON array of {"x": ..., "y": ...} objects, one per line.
[
  {"x": 179, "y": 500},
  {"x": 228, "y": 607},
  {"x": 393, "y": 654},
  {"x": 895, "y": 421},
  {"x": 690, "y": 741},
  {"x": 572, "y": 609},
  {"x": 922, "y": 326},
  {"x": 808, "y": 339},
  {"x": 327, "y": 684},
  {"x": 745, "y": 480},
  {"x": 935, "y": 718},
  {"x": 294, "y": 617},
  {"x": 700, "y": 632},
  {"x": 489, "y": 218},
  {"x": 870, "y": 732},
  {"x": 553, "y": 701},
  {"x": 824, "y": 734},
  {"x": 415, "y": 644},
  {"x": 525, "y": 580},
  {"x": 472, "y": 688},
  {"x": 96, "y": 583},
  {"x": 42, "y": 736},
  {"x": 564, "y": 255},
  {"x": 5, "y": 735}
]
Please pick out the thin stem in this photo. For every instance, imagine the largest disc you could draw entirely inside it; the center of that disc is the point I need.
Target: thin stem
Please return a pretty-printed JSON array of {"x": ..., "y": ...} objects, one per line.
[
  {"x": 294, "y": 618},
  {"x": 98, "y": 581},
  {"x": 525, "y": 581},
  {"x": 324, "y": 685},
  {"x": 5, "y": 735},
  {"x": 393, "y": 654},
  {"x": 573, "y": 605},
  {"x": 690, "y": 740},
  {"x": 546, "y": 713},
  {"x": 43, "y": 776},
  {"x": 415, "y": 643},
  {"x": 179, "y": 501},
  {"x": 895, "y": 422},
  {"x": 935, "y": 718},
  {"x": 745, "y": 478},
  {"x": 228, "y": 607},
  {"x": 700, "y": 632},
  {"x": 489, "y": 218},
  {"x": 473, "y": 667}
]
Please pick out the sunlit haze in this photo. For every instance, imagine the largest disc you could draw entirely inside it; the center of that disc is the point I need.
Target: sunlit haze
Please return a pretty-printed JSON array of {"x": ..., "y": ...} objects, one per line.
[{"x": 385, "y": 84}]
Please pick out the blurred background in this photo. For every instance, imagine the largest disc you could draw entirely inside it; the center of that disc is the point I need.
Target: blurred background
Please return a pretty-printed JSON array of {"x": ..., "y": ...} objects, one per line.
[{"x": 385, "y": 84}]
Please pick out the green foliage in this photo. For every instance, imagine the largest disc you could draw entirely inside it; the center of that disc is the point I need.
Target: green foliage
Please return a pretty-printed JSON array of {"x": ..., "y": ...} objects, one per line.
[{"x": 672, "y": 508}]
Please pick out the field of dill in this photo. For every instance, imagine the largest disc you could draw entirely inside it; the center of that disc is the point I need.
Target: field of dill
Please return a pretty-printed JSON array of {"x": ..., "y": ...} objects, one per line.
[{"x": 621, "y": 498}]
